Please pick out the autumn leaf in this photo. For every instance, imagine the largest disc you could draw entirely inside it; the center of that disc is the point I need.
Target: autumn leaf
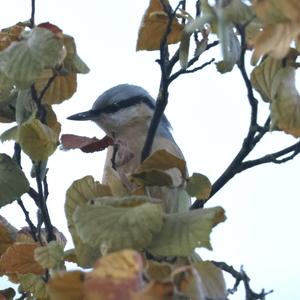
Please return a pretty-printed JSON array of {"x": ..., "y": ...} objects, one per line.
[
  {"x": 73, "y": 63},
  {"x": 115, "y": 276},
  {"x": 263, "y": 78},
  {"x": 62, "y": 87},
  {"x": 118, "y": 223},
  {"x": 154, "y": 25},
  {"x": 156, "y": 291},
  {"x": 33, "y": 284},
  {"x": 50, "y": 256},
  {"x": 13, "y": 183},
  {"x": 24, "y": 60},
  {"x": 66, "y": 286},
  {"x": 285, "y": 107},
  {"x": 37, "y": 140},
  {"x": 199, "y": 186},
  {"x": 158, "y": 271},
  {"x": 181, "y": 233},
  {"x": 212, "y": 279},
  {"x": 9, "y": 35},
  {"x": 19, "y": 258},
  {"x": 85, "y": 144},
  {"x": 281, "y": 25},
  {"x": 81, "y": 192},
  {"x": 188, "y": 282},
  {"x": 163, "y": 160},
  {"x": 152, "y": 177},
  {"x": 8, "y": 235}
]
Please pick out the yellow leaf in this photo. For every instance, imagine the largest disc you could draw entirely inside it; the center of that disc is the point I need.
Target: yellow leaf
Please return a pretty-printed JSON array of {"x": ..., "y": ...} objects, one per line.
[
  {"x": 118, "y": 275},
  {"x": 212, "y": 279},
  {"x": 37, "y": 140},
  {"x": 73, "y": 63},
  {"x": 61, "y": 88},
  {"x": 80, "y": 193},
  {"x": 163, "y": 160},
  {"x": 152, "y": 177},
  {"x": 19, "y": 258},
  {"x": 66, "y": 286},
  {"x": 285, "y": 107},
  {"x": 7, "y": 235},
  {"x": 199, "y": 186},
  {"x": 153, "y": 28},
  {"x": 114, "y": 181},
  {"x": 51, "y": 120},
  {"x": 263, "y": 78}
]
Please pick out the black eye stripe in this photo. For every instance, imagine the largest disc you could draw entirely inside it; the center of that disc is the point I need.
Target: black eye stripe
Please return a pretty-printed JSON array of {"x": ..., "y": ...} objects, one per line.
[{"x": 114, "y": 107}]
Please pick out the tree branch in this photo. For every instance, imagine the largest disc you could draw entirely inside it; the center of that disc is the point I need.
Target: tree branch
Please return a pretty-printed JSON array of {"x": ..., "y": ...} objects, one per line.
[
  {"x": 291, "y": 152},
  {"x": 241, "y": 277},
  {"x": 162, "y": 99},
  {"x": 32, "y": 17}
]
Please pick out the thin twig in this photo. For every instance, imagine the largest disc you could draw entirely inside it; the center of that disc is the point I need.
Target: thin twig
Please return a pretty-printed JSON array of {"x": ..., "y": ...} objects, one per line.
[
  {"x": 42, "y": 203},
  {"x": 241, "y": 277},
  {"x": 33, "y": 230},
  {"x": 162, "y": 99},
  {"x": 185, "y": 71},
  {"x": 290, "y": 151}
]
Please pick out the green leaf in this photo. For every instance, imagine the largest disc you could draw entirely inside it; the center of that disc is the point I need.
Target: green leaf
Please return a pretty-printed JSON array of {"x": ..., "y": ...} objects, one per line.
[
  {"x": 231, "y": 48},
  {"x": 183, "y": 232},
  {"x": 73, "y": 63},
  {"x": 9, "y": 134},
  {"x": 80, "y": 193},
  {"x": 50, "y": 256},
  {"x": 13, "y": 183},
  {"x": 25, "y": 106},
  {"x": 33, "y": 284},
  {"x": 131, "y": 224},
  {"x": 199, "y": 186},
  {"x": 23, "y": 61}
]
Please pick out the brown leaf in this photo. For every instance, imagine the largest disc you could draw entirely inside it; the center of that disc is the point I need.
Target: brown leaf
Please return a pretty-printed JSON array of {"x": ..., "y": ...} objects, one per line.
[
  {"x": 19, "y": 258},
  {"x": 154, "y": 25},
  {"x": 156, "y": 291},
  {"x": 115, "y": 276},
  {"x": 85, "y": 144},
  {"x": 66, "y": 286},
  {"x": 7, "y": 235}
]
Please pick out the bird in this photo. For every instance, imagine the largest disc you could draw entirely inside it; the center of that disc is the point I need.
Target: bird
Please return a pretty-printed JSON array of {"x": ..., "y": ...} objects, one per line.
[{"x": 124, "y": 113}]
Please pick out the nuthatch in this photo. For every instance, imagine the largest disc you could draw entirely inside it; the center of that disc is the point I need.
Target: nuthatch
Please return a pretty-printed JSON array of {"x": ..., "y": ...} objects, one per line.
[{"x": 124, "y": 113}]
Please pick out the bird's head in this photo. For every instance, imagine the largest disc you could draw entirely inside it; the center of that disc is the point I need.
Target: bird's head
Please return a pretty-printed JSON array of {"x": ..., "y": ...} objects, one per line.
[{"x": 121, "y": 108}]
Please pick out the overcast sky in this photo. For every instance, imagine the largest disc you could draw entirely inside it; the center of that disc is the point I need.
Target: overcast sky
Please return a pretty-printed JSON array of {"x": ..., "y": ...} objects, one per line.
[{"x": 209, "y": 114}]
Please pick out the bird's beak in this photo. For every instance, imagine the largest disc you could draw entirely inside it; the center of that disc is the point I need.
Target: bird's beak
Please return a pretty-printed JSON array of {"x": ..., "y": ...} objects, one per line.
[{"x": 83, "y": 116}]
